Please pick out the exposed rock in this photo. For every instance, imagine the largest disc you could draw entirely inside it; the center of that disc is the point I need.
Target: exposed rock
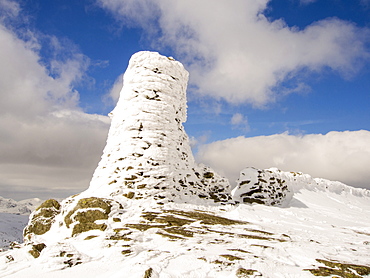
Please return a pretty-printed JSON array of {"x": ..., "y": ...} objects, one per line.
[
  {"x": 268, "y": 187},
  {"x": 86, "y": 212},
  {"x": 42, "y": 218},
  {"x": 36, "y": 249}
]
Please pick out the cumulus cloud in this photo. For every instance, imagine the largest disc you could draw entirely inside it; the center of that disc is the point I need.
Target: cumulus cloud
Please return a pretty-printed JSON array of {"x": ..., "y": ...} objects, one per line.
[
  {"x": 343, "y": 156},
  {"x": 47, "y": 143},
  {"x": 236, "y": 53}
]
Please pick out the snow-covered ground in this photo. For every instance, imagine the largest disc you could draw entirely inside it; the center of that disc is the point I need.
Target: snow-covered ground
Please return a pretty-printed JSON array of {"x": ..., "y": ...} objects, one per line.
[{"x": 317, "y": 224}]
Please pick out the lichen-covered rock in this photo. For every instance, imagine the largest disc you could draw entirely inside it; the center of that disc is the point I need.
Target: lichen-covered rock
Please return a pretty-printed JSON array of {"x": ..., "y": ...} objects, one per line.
[
  {"x": 268, "y": 187},
  {"x": 36, "y": 249},
  {"x": 83, "y": 216},
  {"x": 42, "y": 218}
]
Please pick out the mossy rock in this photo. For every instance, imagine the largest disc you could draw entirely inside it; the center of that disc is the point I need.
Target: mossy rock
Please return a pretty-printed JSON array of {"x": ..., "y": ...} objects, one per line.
[
  {"x": 244, "y": 273},
  {"x": 42, "y": 218},
  {"x": 343, "y": 270},
  {"x": 206, "y": 218},
  {"x": 84, "y": 227},
  {"x": 86, "y": 212},
  {"x": 90, "y": 216},
  {"x": 129, "y": 195},
  {"x": 231, "y": 257},
  {"x": 208, "y": 175},
  {"x": 148, "y": 273},
  {"x": 36, "y": 249}
]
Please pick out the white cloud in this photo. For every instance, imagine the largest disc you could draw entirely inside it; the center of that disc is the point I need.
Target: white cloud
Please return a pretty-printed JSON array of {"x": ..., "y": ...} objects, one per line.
[
  {"x": 9, "y": 8},
  {"x": 234, "y": 52},
  {"x": 240, "y": 122},
  {"x": 47, "y": 143},
  {"x": 343, "y": 156}
]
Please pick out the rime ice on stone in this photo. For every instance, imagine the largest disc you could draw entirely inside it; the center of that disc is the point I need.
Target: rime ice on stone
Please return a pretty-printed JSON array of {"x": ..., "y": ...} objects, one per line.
[
  {"x": 147, "y": 151},
  {"x": 269, "y": 187}
]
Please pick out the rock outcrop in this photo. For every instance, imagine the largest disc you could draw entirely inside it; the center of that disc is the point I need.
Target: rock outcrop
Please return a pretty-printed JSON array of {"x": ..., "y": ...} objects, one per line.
[
  {"x": 274, "y": 187},
  {"x": 269, "y": 187}
]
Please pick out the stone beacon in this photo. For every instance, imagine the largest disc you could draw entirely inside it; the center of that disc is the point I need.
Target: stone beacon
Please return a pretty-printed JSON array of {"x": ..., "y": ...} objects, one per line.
[
  {"x": 147, "y": 160},
  {"x": 148, "y": 152}
]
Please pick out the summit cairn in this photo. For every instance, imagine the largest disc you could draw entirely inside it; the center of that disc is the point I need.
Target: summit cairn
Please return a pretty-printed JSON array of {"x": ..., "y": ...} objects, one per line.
[
  {"x": 148, "y": 152},
  {"x": 147, "y": 161}
]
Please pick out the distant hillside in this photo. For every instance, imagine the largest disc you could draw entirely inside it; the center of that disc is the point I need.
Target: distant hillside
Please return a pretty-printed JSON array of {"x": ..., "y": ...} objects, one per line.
[{"x": 13, "y": 218}]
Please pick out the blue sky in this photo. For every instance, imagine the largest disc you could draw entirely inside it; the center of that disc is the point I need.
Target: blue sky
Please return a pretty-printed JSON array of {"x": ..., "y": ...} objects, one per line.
[
  {"x": 331, "y": 103},
  {"x": 273, "y": 70}
]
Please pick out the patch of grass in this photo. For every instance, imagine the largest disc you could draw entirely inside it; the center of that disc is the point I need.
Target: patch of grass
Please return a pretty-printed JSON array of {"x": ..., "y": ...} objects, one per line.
[
  {"x": 244, "y": 273},
  {"x": 126, "y": 252},
  {"x": 222, "y": 263},
  {"x": 169, "y": 220},
  {"x": 239, "y": 250},
  {"x": 144, "y": 227},
  {"x": 341, "y": 269},
  {"x": 262, "y": 246},
  {"x": 148, "y": 273},
  {"x": 129, "y": 195},
  {"x": 179, "y": 231},
  {"x": 231, "y": 257},
  {"x": 255, "y": 237},
  {"x": 206, "y": 218},
  {"x": 172, "y": 237},
  {"x": 90, "y": 237},
  {"x": 259, "y": 231},
  {"x": 119, "y": 237}
]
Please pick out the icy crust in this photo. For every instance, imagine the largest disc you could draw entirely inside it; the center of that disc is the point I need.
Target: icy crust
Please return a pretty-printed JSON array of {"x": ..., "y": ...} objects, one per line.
[
  {"x": 277, "y": 188},
  {"x": 147, "y": 152}
]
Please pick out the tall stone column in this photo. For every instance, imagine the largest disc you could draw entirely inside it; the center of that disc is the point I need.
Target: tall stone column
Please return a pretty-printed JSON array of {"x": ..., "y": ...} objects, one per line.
[{"x": 148, "y": 151}]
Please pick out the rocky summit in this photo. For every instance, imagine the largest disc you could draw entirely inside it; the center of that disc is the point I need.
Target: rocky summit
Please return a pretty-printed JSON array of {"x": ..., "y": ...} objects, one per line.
[{"x": 152, "y": 212}]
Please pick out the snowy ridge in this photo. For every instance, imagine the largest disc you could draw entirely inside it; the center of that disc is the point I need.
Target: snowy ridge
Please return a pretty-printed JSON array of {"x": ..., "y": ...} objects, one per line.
[{"x": 24, "y": 207}]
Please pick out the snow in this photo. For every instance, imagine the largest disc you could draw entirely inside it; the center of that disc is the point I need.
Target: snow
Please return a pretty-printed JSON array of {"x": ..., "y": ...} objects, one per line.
[
  {"x": 315, "y": 225},
  {"x": 151, "y": 211}
]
